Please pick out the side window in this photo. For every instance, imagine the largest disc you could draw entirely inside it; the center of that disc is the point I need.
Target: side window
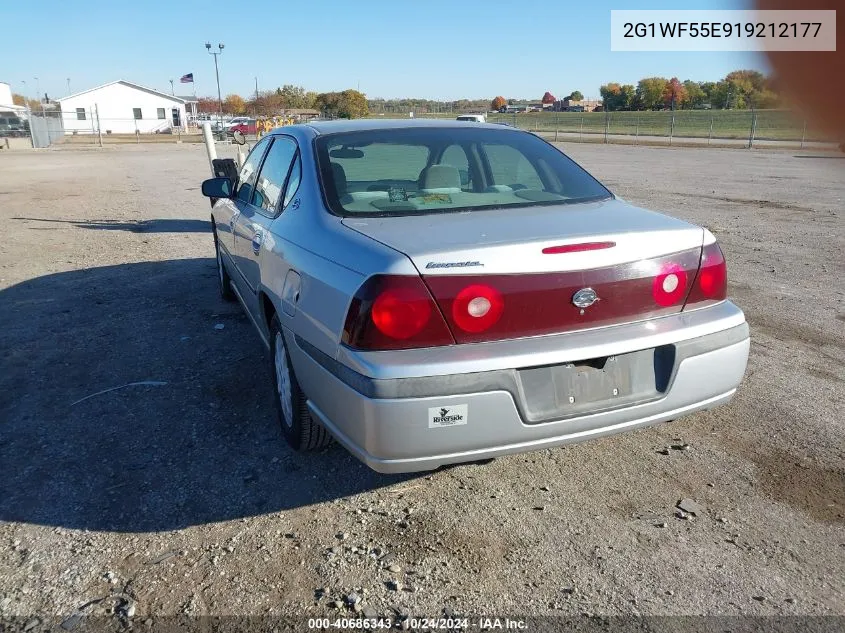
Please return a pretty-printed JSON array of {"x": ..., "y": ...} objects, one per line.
[
  {"x": 269, "y": 185},
  {"x": 293, "y": 181},
  {"x": 246, "y": 179},
  {"x": 511, "y": 167},
  {"x": 455, "y": 156}
]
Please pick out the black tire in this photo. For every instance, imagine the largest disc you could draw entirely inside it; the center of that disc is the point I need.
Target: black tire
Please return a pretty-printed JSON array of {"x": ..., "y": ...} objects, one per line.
[
  {"x": 300, "y": 430},
  {"x": 224, "y": 282}
]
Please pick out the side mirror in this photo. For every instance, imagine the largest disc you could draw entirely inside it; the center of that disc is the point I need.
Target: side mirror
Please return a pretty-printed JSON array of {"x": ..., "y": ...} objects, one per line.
[
  {"x": 238, "y": 137},
  {"x": 217, "y": 188}
]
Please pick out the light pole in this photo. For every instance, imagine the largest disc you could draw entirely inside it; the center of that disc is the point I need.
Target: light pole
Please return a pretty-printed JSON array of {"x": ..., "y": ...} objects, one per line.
[
  {"x": 38, "y": 88},
  {"x": 217, "y": 75},
  {"x": 68, "y": 85},
  {"x": 172, "y": 92}
]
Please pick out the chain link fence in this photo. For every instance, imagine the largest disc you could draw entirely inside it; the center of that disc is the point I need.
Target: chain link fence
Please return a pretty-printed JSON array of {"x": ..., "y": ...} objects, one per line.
[{"x": 737, "y": 128}]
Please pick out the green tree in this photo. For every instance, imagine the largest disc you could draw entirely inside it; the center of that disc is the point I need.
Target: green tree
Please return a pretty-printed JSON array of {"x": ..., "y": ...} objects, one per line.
[
  {"x": 707, "y": 88},
  {"x": 695, "y": 95},
  {"x": 576, "y": 96},
  {"x": 650, "y": 92},
  {"x": 293, "y": 96}
]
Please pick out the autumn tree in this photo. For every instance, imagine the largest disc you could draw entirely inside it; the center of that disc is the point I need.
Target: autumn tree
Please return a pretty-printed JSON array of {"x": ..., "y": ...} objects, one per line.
[
  {"x": 234, "y": 104},
  {"x": 498, "y": 103},
  {"x": 617, "y": 97},
  {"x": 674, "y": 94},
  {"x": 349, "y": 104},
  {"x": 549, "y": 97},
  {"x": 207, "y": 105},
  {"x": 650, "y": 92}
]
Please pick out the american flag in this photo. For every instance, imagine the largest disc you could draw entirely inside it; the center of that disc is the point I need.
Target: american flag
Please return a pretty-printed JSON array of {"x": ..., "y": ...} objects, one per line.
[{"x": 187, "y": 79}]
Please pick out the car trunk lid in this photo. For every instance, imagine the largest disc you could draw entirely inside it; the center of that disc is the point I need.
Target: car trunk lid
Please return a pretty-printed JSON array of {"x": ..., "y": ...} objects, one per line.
[{"x": 508, "y": 273}]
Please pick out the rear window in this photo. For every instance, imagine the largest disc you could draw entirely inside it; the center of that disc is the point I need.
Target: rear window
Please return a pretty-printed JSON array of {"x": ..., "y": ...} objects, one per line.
[{"x": 416, "y": 171}]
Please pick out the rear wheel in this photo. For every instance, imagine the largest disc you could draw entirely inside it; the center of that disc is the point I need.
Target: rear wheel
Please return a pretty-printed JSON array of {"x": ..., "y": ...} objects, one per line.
[
  {"x": 223, "y": 280},
  {"x": 299, "y": 429}
]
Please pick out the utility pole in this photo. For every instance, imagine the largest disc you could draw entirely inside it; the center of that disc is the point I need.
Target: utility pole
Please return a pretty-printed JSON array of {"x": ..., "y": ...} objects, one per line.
[
  {"x": 68, "y": 85},
  {"x": 217, "y": 75},
  {"x": 172, "y": 90},
  {"x": 255, "y": 109}
]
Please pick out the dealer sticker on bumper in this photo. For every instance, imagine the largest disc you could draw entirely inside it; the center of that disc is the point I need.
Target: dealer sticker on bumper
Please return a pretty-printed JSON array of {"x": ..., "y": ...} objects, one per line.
[{"x": 452, "y": 415}]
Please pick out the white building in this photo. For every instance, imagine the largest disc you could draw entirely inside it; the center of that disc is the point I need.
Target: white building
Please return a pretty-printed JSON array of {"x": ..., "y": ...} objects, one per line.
[
  {"x": 122, "y": 108},
  {"x": 6, "y": 104}
]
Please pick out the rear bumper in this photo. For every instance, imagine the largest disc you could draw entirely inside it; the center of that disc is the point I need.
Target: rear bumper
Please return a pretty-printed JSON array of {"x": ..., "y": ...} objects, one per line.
[{"x": 386, "y": 422}]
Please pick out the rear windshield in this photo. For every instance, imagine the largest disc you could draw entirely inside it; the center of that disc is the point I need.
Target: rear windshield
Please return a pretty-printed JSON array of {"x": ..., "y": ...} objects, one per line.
[{"x": 416, "y": 171}]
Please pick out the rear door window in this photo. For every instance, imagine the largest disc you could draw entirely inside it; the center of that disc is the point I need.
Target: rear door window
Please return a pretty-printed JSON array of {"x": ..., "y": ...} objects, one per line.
[{"x": 510, "y": 167}]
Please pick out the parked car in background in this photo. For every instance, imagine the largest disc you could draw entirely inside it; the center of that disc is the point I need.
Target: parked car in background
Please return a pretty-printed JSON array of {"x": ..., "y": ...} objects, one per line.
[
  {"x": 244, "y": 126},
  {"x": 11, "y": 125},
  {"x": 236, "y": 121},
  {"x": 477, "y": 118},
  {"x": 433, "y": 292}
]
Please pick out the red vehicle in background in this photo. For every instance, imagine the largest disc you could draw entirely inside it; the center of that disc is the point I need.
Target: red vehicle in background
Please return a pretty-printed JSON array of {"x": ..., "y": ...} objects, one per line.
[{"x": 246, "y": 127}]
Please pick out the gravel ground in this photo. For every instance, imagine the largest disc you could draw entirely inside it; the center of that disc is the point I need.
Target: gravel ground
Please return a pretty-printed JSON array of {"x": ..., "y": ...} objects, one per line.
[{"x": 179, "y": 496}]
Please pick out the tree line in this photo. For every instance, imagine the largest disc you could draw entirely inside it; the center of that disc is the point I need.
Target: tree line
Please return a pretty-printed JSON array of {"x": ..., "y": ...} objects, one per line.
[
  {"x": 348, "y": 104},
  {"x": 740, "y": 89}
]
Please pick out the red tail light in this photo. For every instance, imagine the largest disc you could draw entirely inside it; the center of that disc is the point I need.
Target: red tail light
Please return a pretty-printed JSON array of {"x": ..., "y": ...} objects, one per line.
[
  {"x": 477, "y": 307},
  {"x": 670, "y": 286},
  {"x": 496, "y": 307},
  {"x": 711, "y": 283},
  {"x": 394, "y": 312}
]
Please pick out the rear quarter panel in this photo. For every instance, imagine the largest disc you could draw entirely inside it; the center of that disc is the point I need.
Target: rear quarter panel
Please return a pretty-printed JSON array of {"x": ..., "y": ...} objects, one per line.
[{"x": 331, "y": 260}]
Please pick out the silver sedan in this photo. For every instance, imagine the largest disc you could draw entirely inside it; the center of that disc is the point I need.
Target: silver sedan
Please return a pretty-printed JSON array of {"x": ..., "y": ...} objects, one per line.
[{"x": 436, "y": 292}]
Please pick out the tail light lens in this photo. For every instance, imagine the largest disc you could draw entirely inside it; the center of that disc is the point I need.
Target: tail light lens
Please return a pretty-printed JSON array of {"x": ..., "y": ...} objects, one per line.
[
  {"x": 711, "y": 282},
  {"x": 394, "y": 312},
  {"x": 477, "y": 307},
  {"x": 670, "y": 286}
]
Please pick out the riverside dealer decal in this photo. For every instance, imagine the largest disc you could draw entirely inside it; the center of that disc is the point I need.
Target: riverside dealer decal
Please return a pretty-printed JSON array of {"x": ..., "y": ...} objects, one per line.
[{"x": 453, "y": 415}]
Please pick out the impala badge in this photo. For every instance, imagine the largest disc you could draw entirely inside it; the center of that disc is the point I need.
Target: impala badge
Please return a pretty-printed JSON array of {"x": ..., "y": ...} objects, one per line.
[{"x": 584, "y": 298}]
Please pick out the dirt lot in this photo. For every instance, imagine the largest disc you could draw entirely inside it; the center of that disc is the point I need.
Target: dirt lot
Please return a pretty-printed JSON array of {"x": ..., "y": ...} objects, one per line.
[{"x": 179, "y": 497}]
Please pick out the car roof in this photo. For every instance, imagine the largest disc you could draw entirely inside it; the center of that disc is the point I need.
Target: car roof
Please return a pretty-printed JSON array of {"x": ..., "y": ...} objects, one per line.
[{"x": 357, "y": 125}]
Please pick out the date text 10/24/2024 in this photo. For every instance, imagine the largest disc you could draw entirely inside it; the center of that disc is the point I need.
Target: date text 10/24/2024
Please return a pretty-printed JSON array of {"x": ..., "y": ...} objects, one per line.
[{"x": 433, "y": 624}]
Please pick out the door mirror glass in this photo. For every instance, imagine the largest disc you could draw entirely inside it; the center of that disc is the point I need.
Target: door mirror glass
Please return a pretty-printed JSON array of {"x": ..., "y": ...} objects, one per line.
[
  {"x": 217, "y": 188},
  {"x": 238, "y": 137}
]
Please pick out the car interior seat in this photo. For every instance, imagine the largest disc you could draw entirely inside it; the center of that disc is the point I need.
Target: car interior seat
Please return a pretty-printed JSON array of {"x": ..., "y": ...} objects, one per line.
[{"x": 440, "y": 179}]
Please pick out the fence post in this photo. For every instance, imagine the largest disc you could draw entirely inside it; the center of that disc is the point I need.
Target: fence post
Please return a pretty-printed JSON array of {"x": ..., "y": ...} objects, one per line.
[
  {"x": 710, "y": 134},
  {"x": 753, "y": 129},
  {"x": 557, "y": 113},
  {"x": 671, "y": 128},
  {"x": 637, "y": 133},
  {"x": 581, "y": 130},
  {"x": 803, "y": 133},
  {"x": 29, "y": 118},
  {"x": 93, "y": 130},
  {"x": 99, "y": 129},
  {"x": 606, "y": 124}
]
